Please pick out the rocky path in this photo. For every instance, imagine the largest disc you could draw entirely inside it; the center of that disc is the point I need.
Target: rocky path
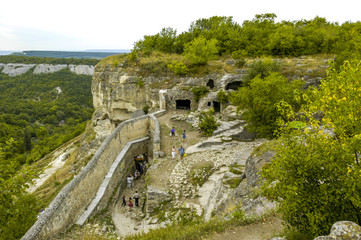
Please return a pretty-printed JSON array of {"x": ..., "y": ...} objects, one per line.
[{"x": 131, "y": 220}]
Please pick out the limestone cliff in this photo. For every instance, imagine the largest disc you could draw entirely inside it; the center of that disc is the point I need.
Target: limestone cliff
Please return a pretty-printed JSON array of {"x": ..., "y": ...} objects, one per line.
[{"x": 118, "y": 94}]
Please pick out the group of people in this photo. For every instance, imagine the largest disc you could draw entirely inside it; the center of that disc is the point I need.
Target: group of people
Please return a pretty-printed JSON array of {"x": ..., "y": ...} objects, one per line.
[
  {"x": 130, "y": 203},
  {"x": 137, "y": 174},
  {"x": 181, "y": 151},
  {"x": 173, "y": 134}
]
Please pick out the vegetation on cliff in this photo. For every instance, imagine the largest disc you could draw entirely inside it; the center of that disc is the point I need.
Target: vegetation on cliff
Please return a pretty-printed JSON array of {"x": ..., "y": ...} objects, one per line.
[{"x": 316, "y": 173}]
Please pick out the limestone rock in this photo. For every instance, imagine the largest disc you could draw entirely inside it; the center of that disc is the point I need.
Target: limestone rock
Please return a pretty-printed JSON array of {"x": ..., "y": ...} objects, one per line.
[
  {"x": 14, "y": 69},
  {"x": 343, "y": 230},
  {"x": 82, "y": 69},
  {"x": 48, "y": 68},
  {"x": 253, "y": 166}
]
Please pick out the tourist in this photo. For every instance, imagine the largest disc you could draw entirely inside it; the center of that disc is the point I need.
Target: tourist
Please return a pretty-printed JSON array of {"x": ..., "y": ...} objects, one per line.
[
  {"x": 172, "y": 133},
  {"x": 184, "y": 136},
  {"x": 136, "y": 198},
  {"x": 181, "y": 152},
  {"x": 124, "y": 203},
  {"x": 130, "y": 202},
  {"x": 173, "y": 152},
  {"x": 141, "y": 168},
  {"x": 130, "y": 181},
  {"x": 137, "y": 174}
]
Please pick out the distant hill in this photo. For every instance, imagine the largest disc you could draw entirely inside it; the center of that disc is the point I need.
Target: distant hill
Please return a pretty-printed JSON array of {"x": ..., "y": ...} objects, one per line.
[{"x": 95, "y": 54}]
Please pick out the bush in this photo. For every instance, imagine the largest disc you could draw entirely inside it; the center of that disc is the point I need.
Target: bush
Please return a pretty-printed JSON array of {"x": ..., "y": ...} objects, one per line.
[
  {"x": 208, "y": 123},
  {"x": 263, "y": 68},
  {"x": 178, "y": 68},
  {"x": 199, "y": 92}
]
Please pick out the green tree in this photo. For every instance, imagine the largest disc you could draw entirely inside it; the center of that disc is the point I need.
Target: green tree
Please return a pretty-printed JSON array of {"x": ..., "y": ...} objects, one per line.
[
  {"x": 200, "y": 50},
  {"x": 17, "y": 207},
  {"x": 260, "y": 99},
  {"x": 316, "y": 174},
  {"x": 208, "y": 123},
  {"x": 261, "y": 68}
]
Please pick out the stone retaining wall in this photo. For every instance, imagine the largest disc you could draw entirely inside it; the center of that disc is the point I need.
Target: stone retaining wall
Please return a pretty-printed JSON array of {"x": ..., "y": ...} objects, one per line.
[{"x": 76, "y": 196}]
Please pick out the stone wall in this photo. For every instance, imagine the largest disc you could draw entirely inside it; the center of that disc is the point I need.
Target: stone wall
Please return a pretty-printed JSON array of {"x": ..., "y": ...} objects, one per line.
[{"x": 76, "y": 196}]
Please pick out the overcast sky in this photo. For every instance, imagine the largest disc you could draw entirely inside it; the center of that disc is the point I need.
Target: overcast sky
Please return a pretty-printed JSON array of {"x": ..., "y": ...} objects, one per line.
[{"x": 117, "y": 24}]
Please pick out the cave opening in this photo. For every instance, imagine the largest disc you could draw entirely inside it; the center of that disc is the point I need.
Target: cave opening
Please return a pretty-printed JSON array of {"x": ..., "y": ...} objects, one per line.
[
  {"x": 210, "y": 84},
  {"x": 183, "y": 104},
  {"x": 234, "y": 85},
  {"x": 216, "y": 106}
]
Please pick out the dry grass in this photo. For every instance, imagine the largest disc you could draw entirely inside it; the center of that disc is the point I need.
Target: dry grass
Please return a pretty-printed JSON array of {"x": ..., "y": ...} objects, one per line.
[{"x": 52, "y": 186}]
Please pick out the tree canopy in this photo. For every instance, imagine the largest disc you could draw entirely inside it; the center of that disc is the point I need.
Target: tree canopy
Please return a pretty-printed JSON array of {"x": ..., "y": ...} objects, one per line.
[
  {"x": 316, "y": 174},
  {"x": 261, "y": 36}
]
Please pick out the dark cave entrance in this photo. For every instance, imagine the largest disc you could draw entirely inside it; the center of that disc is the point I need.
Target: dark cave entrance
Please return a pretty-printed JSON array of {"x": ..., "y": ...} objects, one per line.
[
  {"x": 234, "y": 85},
  {"x": 183, "y": 104},
  {"x": 216, "y": 106},
  {"x": 210, "y": 84}
]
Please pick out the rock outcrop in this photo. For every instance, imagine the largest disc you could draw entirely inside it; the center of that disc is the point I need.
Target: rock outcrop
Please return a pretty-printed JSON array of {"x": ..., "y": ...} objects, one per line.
[{"x": 14, "y": 69}]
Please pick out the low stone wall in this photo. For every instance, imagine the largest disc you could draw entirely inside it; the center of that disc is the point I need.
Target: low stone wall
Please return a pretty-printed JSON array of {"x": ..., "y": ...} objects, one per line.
[{"x": 76, "y": 196}]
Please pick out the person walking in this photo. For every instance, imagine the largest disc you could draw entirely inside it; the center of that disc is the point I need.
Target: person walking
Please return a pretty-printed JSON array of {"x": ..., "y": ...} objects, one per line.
[
  {"x": 173, "y": 153},
  {"x": 136, "y": 198},
  {"x": 130, "y": 202},
  {"x": 130, "y": 181},
  {"x": 124, "y": 203},
  {"x": 172, "y": 133},
  {"x": 184, "y": 136},
  {"x": 181, "y": 152}
]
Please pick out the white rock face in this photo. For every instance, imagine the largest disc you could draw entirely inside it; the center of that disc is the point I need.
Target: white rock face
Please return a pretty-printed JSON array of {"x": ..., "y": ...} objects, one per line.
[
  {"x": 14, "y": 69},
  {"x": 47, "y": 68},
  {"x": 82, "y": 69}
]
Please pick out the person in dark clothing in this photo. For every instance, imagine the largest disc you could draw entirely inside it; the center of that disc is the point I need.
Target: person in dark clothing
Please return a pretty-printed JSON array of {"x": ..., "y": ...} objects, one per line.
[
  {"x": 136, "y": 198},
  {"x": 124, "y": 203}
]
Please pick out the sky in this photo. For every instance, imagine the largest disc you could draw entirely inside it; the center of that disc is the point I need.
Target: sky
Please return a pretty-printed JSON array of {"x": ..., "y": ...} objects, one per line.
[{"x": 78, "y": 25}]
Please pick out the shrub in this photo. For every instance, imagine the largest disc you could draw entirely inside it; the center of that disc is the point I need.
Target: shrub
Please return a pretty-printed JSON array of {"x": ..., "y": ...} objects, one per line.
[
  {"x": 208, "y": 123},
  {"x": 178, "y": 68},
  {"x": 263, "y": 68},
  {"x": 199, "y": 92}
]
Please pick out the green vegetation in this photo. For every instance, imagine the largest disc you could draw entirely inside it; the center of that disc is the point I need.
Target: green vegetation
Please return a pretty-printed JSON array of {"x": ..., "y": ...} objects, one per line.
[
  {"x": 200, "y": 50},
  {"x": 200, "y": 172},
  {"x": 38, "y": 113},
  {"x": 46, "y": 60},
  {"x": 262, "y": 100},
  {"x": 316, "y": 174},
  {"x": 207, "y": 122},
  {"x": 261, "y": 36},
  {"x": 199, "y": 92},
  {"x": 261, "y": 68},
  {"x": 178, "y": 68}
]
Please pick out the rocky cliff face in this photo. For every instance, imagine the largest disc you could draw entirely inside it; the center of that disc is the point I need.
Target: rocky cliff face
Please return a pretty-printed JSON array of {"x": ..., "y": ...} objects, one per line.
[
  {"x": 14, "y": 69},
  {"x": 118, "y": 94}
]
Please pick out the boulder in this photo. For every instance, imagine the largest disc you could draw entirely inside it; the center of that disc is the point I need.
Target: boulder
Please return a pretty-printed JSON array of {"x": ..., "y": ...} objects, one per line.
[{"x": 343, "y": 230}]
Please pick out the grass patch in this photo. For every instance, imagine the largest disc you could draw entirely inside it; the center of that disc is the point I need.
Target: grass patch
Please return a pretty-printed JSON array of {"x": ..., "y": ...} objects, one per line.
[
  {"x": 264, "y": 147},
  {"x": 200, "y": 172},
  {"x": 236, "y": 169},
  {"x": 233, "y": 182}
]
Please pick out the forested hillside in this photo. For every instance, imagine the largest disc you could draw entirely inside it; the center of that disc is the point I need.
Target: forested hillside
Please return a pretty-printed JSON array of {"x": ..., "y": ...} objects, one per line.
[{"x": 38, "y": 113}]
